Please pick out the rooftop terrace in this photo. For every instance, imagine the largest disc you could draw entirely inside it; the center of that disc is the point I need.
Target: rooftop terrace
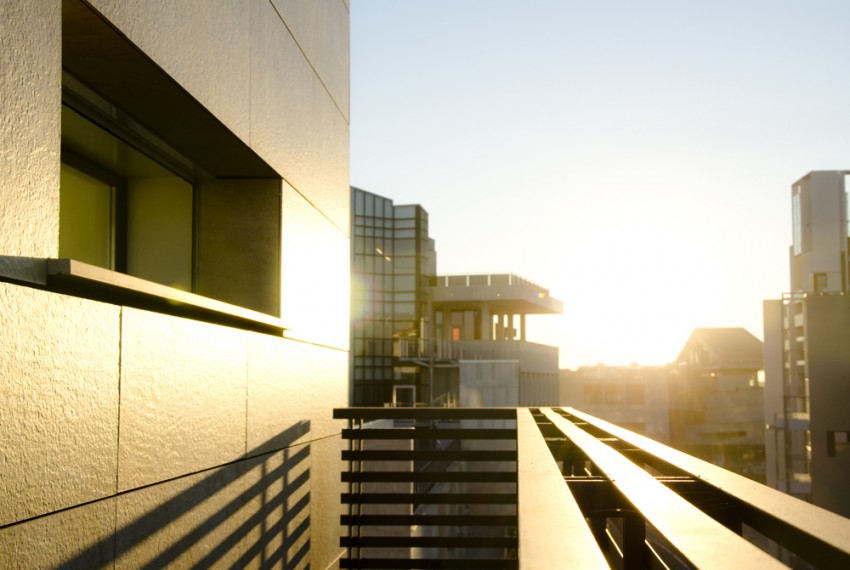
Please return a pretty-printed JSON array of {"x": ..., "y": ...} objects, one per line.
[{"x": 503, "y": 292}]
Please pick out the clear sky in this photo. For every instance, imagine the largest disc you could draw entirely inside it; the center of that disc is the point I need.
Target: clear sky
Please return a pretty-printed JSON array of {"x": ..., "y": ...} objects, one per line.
[{"x": 635, "y": 157}]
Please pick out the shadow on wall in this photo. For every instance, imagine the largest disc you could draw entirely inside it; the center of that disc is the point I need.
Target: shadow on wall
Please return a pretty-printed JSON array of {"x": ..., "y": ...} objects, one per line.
[{"x": 274, "y": 533}]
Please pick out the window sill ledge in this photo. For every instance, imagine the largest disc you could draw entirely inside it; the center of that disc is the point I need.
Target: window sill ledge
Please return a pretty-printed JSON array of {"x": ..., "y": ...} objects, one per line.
[{"x": 91, "y": 282}]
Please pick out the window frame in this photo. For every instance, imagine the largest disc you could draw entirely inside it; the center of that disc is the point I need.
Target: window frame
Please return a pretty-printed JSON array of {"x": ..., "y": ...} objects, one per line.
[{"x": 100, "y": 59}]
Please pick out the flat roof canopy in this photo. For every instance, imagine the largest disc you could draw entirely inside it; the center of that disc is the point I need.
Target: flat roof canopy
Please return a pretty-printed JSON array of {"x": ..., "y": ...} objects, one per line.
[{"x": 504, "y": 292}]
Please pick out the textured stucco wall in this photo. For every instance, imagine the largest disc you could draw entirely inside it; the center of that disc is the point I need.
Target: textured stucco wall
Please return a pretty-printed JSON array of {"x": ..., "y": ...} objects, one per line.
[
  {"x": 257, "y": 60},
  {"x": 130, "y": 437},
  {"x": 30, "y": 87}
]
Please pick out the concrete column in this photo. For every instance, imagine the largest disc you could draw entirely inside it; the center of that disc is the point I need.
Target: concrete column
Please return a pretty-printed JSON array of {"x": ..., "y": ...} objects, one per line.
[
  {"x": 511, "y": 331},
  {"x": 468, "y": 325},
  {"x": 522, "y": 326},
  {"x": 447, "y": 325},
  {"x": 486, "y": 323}
]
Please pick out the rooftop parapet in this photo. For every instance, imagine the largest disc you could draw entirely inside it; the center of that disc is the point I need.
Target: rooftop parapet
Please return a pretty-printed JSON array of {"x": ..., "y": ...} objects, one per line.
[{"x": 503, "y": 291}]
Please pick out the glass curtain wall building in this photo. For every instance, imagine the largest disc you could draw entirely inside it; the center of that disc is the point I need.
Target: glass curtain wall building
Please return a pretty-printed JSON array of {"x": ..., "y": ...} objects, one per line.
[{"x": 393, "y": 262}]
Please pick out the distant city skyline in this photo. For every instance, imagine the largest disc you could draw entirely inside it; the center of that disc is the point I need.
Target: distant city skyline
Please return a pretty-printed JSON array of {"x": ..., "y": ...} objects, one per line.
[{"x": 634, "y": 158}]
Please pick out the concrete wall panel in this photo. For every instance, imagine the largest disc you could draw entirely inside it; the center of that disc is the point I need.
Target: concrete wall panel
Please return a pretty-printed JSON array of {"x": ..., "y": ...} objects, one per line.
[
  {"x": 300, "y": 132},
  {"x": 59, "y": 401},
  {"x": 321, "y": 31},
  {"x": 290, "y": 383},
  {"x": 30, "y": 88},
  {"x": 285, "y": 508},
  {"x": 204, "y": 520},
  {"x": 326, "y": 488},
  {"x": 182, "y": 397},
  {"x": 292, "y": 388},
  {"x": 315, "y": 275},
  {"x": 203, "y": 44},
  {"x": 82, "y": 537},
  {"x": 238, "y": 243}
]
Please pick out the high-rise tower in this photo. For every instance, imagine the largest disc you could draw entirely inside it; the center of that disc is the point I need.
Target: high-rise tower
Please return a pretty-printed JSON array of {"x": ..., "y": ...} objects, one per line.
[{"x": 807, "y": 352}]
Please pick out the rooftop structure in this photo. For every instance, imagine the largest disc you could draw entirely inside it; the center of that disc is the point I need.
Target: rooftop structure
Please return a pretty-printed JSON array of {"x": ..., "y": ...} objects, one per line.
[{"x": 719, "y": 348}]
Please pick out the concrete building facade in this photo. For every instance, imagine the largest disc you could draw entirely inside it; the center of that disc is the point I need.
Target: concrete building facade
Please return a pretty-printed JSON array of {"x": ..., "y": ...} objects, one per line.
[
  {"x": 634, "y": 397},
  {"x": 174, "y": 276},
  {"x": 807, "y": 357},
  {"x": 716, "y": 400}
]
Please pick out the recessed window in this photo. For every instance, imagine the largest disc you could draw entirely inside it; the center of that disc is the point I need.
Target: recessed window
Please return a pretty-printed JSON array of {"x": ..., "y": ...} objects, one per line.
[
  {"x": 837, "y": 442},
  {"x": 156, "y": 185},
  {"x": 121, "y": 210}
]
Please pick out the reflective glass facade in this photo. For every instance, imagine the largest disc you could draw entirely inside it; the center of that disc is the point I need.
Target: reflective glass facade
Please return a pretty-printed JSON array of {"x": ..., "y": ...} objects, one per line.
[{"x": 392, "y": 261}]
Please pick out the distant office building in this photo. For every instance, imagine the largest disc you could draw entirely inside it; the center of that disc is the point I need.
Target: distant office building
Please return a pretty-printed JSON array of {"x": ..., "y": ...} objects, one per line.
[
  {"x": 708, "y": 403},
  {"x": 417, "y": 337},
  {"x": 634, "y": 397},
  {"x": 716, "y": 400},
  {"x": 807, "y": 355},
  {"x": 393, "y": 261}
]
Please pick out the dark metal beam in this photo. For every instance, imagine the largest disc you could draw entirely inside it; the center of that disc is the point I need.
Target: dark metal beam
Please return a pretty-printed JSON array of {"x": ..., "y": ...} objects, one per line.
[
  {"x": 427, "y": 455},
  {"x": 428, "y": 520},
  {"x": 443, "y": 414},
  {"x": 429, "y": 433},
  {"x": 429, "y": 498},
  {"x": 429, "y": 476},
  {"x": 428, "y": 542},
  {"x": 428, "y": 563}
]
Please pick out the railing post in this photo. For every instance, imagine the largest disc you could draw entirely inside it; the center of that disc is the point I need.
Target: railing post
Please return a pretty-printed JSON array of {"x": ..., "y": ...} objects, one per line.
[{"x": 634, "y": 545}]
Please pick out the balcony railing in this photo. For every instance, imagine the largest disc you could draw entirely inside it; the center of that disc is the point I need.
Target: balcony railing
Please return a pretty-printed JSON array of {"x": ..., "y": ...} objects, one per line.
[
  {"x": 426, "y": 349},
  {"x": 557, "y": 488}
]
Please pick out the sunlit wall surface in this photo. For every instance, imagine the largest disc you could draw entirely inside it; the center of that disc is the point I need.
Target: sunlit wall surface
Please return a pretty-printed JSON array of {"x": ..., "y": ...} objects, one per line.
[
  {"x": 392, "y": 259},
  {"x": 146, "y": 433}
]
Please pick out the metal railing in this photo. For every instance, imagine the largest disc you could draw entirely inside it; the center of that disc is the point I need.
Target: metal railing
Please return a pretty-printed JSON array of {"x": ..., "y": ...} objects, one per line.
[
  {"x": 418, "y": 349},
  {"x": 557, "y": 488}
]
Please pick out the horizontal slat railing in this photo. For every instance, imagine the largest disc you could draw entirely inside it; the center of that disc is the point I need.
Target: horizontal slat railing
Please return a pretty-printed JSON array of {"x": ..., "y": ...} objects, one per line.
[
  {"x": 427, "y": 541},
  {"x": 427, "y": 455},
  {"x": 428, "y": 433},
  {"x": 440, "y": 472},
  {"x": 429, "y": 477},
  {"x": 428, "y": 520},
  {"x": 428, "y": 563},
  {"x": 441, "y": 414},
  {"x": 430, "y": 498}
]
